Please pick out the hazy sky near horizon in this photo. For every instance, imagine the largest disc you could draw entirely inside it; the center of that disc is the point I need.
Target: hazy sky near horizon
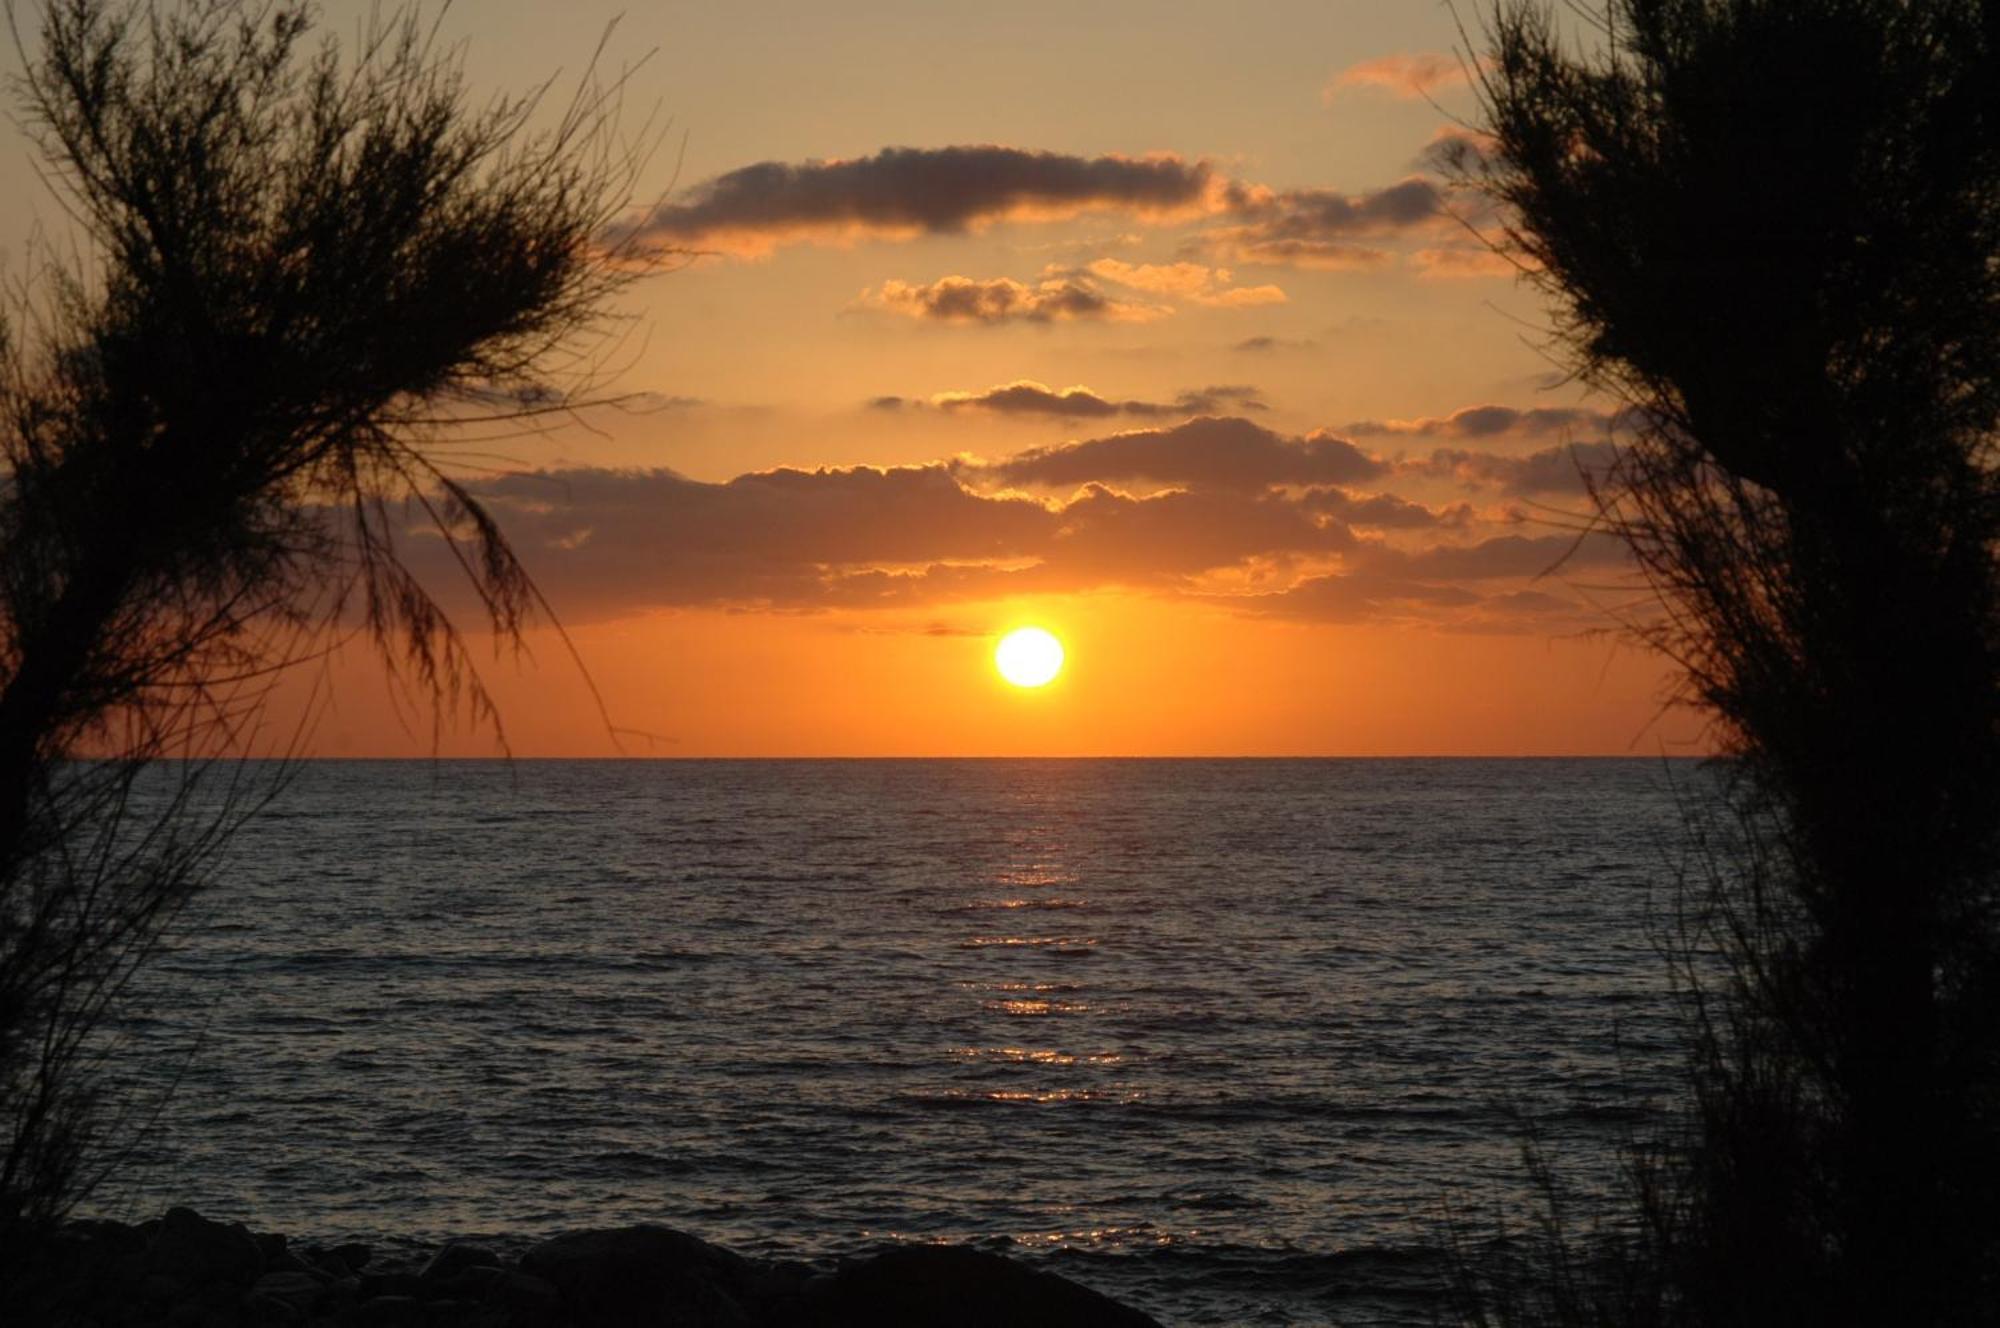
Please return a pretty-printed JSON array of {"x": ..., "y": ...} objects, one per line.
[{"x": 1152, "y": 323}]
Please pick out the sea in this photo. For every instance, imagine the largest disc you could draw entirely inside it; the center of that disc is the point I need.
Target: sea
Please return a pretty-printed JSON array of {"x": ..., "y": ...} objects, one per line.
[{"x": 1234, "y": 1041}]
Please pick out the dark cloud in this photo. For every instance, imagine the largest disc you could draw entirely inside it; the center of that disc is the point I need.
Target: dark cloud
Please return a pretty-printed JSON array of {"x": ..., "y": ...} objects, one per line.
[
  {"x": 1385, "y": 511},
  {"x": 990, "y": 300},
  {"x": 1179, "y": 534},
  {"x": 1503, "y": 556},
  {"x": 1268, "y": 345},
  {"x": 1209, "y": 452},
  {"x": 1491, "y": 422},
  {"x": 1552, "y": 470},
  {"x": 1027, "y": 397},
  {"x": 606, "y": 543},
  {"x": 917, "y": 191},
  {"x": 1319, "y": 228},
  {"x": 1379, "y": 582}
]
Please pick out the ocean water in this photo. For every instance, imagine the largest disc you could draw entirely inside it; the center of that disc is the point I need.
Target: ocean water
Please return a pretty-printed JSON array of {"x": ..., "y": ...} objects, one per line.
[{"x": 1220, "y": 1038}]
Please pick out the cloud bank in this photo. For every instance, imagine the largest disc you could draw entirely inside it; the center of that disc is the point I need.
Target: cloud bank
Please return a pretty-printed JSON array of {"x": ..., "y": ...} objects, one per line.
[
  {"x": 1208, "y": 452},
  {"x": 903, "y": 192},
  {"x": 1026, "y": 397}
]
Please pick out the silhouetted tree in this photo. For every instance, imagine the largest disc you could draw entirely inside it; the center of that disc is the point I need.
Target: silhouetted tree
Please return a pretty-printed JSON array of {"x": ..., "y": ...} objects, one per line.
[
  {"x": 1773, "y": 228},
  {"x": 301, "y": 274}
]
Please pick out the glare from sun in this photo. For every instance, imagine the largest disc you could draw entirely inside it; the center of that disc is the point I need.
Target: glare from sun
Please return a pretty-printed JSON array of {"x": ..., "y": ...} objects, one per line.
[{"x": 1028, "y": 657}]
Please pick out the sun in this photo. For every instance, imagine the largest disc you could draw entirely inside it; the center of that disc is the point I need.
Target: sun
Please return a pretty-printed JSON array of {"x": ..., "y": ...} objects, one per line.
[{"x": 1028, "y": 657}]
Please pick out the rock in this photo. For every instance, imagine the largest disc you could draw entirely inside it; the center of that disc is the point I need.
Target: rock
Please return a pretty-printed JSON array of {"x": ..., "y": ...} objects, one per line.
[
  {"x": 265, "y": 1312},
  {"x": 528, "y": 1301},
  {"x": 376, "y": 1285},
  {"x": 299, "y": 1290},
  {"x": 353, "y": 1255},
  {"x": 917, "y": 1286},
  {"x": 637, "y": 1277},
  {"x": 458, "y": 1256},
  {"x": 385, "y": 1312},
  {"x": 189, "y": 1246}
]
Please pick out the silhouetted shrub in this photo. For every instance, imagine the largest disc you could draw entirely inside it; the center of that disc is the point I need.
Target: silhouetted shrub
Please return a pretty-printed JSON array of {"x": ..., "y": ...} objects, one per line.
[
  {"x": 1772, "y": 227},
  {"x": 300, "y": 273}
]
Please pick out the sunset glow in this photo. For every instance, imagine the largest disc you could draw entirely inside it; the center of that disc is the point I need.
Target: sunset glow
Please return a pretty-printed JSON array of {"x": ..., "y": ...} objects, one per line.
[{"x": 1217, "y": 379}]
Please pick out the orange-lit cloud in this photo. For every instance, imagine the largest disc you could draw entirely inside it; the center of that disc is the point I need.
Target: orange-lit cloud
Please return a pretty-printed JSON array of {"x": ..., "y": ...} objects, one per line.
[
  {"x": 1409, "y": 75},
  {"x": 1463, "y": 262},
  {"x": 1026, "y": 397},
  {"x": 1195, "y": 282},
  {"x": 903, "y": 192},
  {"x": 958, "y": 299},
  {"x": 1223, "y": 453}
]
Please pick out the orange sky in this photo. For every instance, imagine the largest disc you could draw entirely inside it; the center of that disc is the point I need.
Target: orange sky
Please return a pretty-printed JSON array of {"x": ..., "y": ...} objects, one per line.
[{"x": 1148, "y": 322}]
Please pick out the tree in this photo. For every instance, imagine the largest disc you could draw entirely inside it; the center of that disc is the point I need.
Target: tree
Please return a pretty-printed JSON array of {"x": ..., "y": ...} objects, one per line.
[
  {"x": 1773, "y": 228},
  {"x": 303, "y": 272}
]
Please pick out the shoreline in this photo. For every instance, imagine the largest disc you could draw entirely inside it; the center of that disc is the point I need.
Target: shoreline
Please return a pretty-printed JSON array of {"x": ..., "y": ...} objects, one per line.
[{"x": 189, "y": 1271}]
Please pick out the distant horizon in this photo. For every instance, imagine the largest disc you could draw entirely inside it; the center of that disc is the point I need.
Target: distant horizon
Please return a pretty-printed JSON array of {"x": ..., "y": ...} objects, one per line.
[{"x": 1072, "y": 757}]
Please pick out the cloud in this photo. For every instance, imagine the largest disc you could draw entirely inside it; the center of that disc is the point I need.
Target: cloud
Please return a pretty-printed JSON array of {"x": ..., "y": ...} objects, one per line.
[
  {"x": 1196, "y": 282},
  {"x": 1240, "y": 297},
  {"x": 1380, "y": 583},
  {"x": 1270, "y": 345},
  {"x": 1210, "y": 452},
  {"x": 1504, "y": 556},
  {"x": 957, "y": 299},
  {"x": 1489, "y": 422},
  {"x": 903, "y": 193},
  {"x": 1462, "y": 262},
  {"x": 1319, "y": 228},
  {"x": 899, "y": 193},
  {"x": 606, "y": 543},
  {"x": 1385, "y": 511},
  {"x": 1410, "y": 76},
  {"x": 1027, "y": 397},
  {"x": 1455, "y": 148},
  {"x": 1552, "y": 470},
  {"x": 1179, "y": 534}
]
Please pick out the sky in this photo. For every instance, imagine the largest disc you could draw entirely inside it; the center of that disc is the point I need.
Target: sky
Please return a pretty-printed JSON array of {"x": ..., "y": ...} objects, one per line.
[{"x": 1152, "y": 324}]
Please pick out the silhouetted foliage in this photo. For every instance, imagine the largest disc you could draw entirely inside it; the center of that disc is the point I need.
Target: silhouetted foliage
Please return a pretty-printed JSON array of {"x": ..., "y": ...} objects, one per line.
[
  {"x": 1773, "y": 228},
  {"x": 302, "y": 274}
]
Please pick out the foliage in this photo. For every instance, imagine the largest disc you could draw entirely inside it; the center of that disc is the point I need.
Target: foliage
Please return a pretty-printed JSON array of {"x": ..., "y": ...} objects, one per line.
[
  {"x": 303, "y": 272},
  {"x": 1773, "y": 228}
]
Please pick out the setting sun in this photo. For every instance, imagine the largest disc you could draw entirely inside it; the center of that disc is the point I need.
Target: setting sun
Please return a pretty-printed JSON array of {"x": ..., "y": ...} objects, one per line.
[{"x": 1028, "y": 657}]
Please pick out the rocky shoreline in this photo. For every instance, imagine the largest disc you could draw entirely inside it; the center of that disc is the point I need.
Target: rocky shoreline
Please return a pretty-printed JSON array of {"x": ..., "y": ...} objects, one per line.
[{"x": 186, "y": 1271}]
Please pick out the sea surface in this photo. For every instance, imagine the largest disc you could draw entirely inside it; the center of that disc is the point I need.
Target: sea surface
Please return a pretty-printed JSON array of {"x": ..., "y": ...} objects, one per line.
[{"x": 1224, "y": 1039}]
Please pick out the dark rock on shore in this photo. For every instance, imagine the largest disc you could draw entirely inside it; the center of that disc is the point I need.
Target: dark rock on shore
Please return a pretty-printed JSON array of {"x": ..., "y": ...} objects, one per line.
[
  {"x": 187, "y": 1271},
  {"x": 915, "y": 1286}
]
